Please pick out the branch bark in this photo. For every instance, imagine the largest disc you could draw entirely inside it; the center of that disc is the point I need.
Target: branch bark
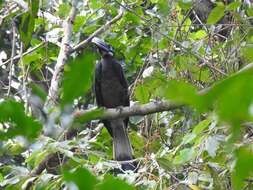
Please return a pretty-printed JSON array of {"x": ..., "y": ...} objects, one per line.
[
  {"x": 136, "y": 109},
  {"x": 53, "y": 93}
]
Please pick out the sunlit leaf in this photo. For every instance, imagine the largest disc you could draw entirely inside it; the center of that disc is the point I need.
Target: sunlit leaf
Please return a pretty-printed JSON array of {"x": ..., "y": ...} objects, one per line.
[
  {"x": 233, "y": 6},
  {"x": 216, "y": 14},
  {"x": 142, "y": 94},
  {"x": 243, "y": 168},
  {"x": 26, "y": 28},
  {"x": 1, "y": 177},
  {"x": 201, "y": 126},
  {"x": 165, "y": 163},
  {"x": 184, "y": 156},
  {"x": 247, "y": 53},
  {"x": 188, "y": 138}
]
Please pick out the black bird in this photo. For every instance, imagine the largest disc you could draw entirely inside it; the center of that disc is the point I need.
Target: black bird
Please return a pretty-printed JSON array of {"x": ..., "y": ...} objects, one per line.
[{"x": 111, "y": 91}]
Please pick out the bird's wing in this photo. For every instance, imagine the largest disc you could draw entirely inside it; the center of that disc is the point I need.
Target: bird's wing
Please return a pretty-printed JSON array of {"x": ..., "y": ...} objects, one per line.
[
  {"x": 123, "y": 82},
  {"x": 98, "y": 78}
]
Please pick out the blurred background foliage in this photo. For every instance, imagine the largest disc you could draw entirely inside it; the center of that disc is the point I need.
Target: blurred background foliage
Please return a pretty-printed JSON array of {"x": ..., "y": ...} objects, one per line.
[{"x": 190, "y": 52}]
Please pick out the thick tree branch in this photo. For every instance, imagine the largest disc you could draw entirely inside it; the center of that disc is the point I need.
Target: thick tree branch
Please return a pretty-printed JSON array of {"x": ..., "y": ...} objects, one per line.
[
  {"x": 53, "y": 93},
  {"x": 149, "y": 108},
  {"x": 136, "y": 109}
]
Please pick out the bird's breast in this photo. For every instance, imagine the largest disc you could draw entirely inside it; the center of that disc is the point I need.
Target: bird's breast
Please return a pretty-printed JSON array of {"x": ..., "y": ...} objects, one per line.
[{"x": 112, "y": 92}]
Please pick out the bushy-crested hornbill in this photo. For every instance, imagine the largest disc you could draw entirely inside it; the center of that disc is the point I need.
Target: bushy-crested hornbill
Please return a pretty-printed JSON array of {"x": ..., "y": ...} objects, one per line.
[{"x": 111, "y": 91}]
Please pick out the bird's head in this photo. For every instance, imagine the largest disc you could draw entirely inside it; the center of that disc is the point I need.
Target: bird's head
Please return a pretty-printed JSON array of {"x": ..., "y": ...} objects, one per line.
[{"x": 103, "y": 48}]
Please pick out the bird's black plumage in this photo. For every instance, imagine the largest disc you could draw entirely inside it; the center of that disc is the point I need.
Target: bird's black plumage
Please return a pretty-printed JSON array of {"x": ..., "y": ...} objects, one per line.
[{"x": 111, "y": 91}]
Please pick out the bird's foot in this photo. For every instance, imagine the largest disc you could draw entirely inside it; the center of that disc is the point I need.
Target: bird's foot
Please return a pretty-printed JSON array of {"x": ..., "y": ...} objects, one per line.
[{"x": 119, "y": 108}]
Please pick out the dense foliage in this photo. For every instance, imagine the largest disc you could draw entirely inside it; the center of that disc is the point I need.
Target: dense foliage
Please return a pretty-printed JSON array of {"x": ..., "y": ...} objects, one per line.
[{"x": 168, "y": 53}]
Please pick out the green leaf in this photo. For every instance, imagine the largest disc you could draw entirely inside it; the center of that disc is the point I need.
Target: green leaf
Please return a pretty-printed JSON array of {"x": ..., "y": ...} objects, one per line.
[
  {"x": 37, "y": 90},
  {"x": 165, "y": 163},
  {"x": 233, "y": 98},
  {"x": 163, "y": 7},
  {"x": 132, "y": 18},
  {"x": 216, "y": 14},
  {"x": 27, "y": 24},
  {"x": 239, "y": 89},
  {"x": 63, "y": 10},
  {"x": 185, "y": 4},
  {"x": 199, "y": 34},
  {"x": 94, "y": 4},
  {"x": 26, "y": 28},
  {"x": 243, "y": 168},
  {"x": 34, "y": 7},
  {"x": 142, "y": 94},
  {"x": 201, "y": 126},
  {"x": 78, "y": 76},
  {"x": 90, "y": 29},
  {"x": 247, "y": 53},
  {"x": 188, "y": 138},
  {"x": 233, "y": 6},
  {"x": 184, "y": 156},
  {"x": 113, "y": 183},
  {"x": 249, "y": 11},
  {"x": 79, "y": 21},
  {"x": 81, "y": 177},
  {"x": 31, "y": 58},
  {"x": 12, "y": 112},
  {"x": 1, "y": 177},
  {"x": 181, "y": 92}
]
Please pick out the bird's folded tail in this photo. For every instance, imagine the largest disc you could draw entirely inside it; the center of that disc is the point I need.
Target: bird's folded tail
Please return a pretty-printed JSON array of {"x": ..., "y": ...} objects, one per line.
[{"x": 121, "y": 145}]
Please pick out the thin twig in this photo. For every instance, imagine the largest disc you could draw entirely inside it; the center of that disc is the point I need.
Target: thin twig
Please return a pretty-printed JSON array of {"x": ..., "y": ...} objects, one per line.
[
  {"x": 12, "y": 56},
  {"x": 17, "y": 57},
  {"x": 98, "y": 31}
]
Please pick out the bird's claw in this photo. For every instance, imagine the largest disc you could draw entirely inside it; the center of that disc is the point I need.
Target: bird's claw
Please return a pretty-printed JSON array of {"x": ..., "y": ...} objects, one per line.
[{"x": 119, "y": 108}]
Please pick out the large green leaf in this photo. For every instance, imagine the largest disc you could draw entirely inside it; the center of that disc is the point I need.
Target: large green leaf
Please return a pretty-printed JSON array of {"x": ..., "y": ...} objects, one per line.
[
  {"x": 233, "y": 6},
  {"x": 184, "y": 156},
  {"x": 27, "y": 24},
  {"x": 216, "y": 14},
  {"x": 181, "y": 92},
  {"x": 142, "y": 94},
  {"x": 81, "y": 177},
  {"x": 201, "y": 126},
  {"x": 78, "y": 77},
  {"x": 247, "y": 53},
  {"x": 34, "y": 7},
  {"x": 26, "y": 28},
  {"x": 84, "y": 180},
  {"x": 113, "y": 183},
  {"x": 231, "y": 97},
  {"x": 243, "y": 168},
  {"x": 12, "y": 112}
]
